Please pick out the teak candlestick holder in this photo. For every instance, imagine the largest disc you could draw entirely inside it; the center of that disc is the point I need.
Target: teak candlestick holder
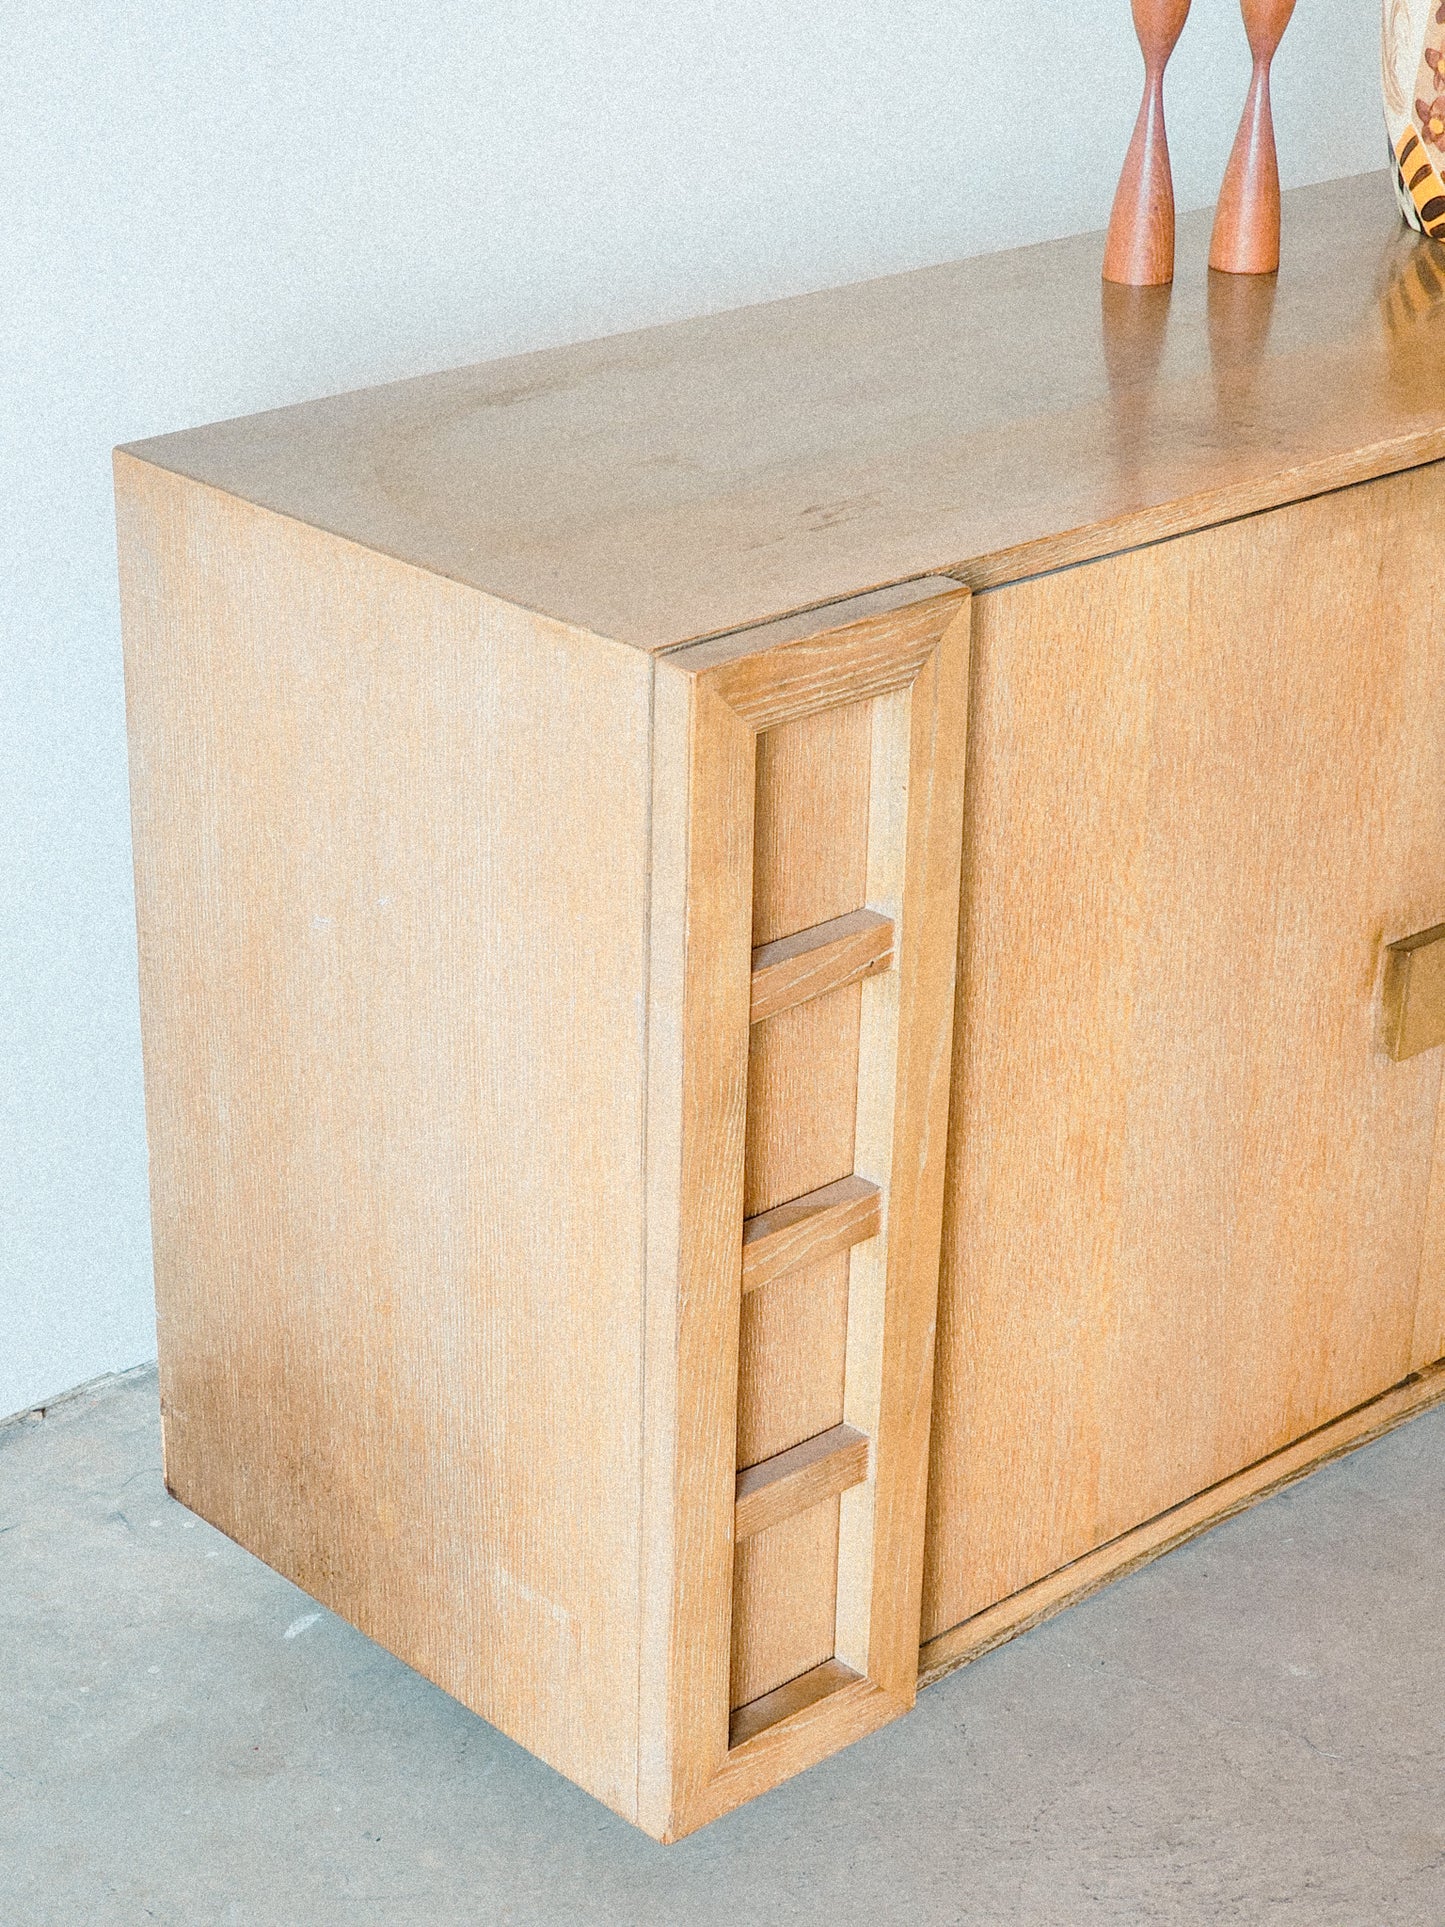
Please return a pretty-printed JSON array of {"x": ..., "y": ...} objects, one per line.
[
  {"x": 1139, "y": 251},
  {"x": 1246, "y": 221}
]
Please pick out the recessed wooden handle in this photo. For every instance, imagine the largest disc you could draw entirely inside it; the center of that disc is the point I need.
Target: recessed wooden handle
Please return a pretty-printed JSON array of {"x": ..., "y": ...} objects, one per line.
[
  {"x": 810, "y": 962},
  {"x": 1415, "y": 993}
]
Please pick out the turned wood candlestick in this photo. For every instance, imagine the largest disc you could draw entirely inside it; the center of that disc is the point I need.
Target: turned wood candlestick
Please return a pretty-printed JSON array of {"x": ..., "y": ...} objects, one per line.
[
  {"x": 1140, "y": 248},
  {"x": 1246, "y": 222}
]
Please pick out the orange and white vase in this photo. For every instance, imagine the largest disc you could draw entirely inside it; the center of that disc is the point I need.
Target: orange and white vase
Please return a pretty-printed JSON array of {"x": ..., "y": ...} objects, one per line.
[{"x": 1412, "y": 71}]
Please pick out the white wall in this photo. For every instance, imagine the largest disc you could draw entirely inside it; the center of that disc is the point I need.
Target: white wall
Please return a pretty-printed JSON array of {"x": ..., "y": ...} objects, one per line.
[{"x": 214, "y": 206}]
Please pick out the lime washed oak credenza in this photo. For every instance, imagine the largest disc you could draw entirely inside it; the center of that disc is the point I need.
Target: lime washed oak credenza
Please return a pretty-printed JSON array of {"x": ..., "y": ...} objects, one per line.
[{"x": 789, "y": 972}]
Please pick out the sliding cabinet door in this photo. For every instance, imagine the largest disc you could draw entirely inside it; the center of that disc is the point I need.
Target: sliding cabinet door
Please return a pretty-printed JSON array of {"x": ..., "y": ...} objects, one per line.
[{"x": 1188, "y": 1214}]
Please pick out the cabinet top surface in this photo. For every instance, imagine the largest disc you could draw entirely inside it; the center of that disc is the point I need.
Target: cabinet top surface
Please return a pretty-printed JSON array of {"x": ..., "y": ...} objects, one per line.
[{"x": 988, "y": 419}]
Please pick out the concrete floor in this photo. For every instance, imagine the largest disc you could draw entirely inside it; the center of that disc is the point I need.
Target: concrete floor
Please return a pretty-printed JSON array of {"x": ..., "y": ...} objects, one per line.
[{"x": 1251, "y": 1730}]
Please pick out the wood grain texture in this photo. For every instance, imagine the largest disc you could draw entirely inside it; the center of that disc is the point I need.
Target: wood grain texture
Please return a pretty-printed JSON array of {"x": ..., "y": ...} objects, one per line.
[
  {"x": 915, "y": 837},
  {"x": 784, "y": 1701},
  {"x": 792, "y": 1350},
  {"x": 809, "y": 963},
  {"x": 830, "y": 670},
  {"x": 810, "y": 835},
  {"x": 791, "y": 1634},
  {"x": 1186, "y": 1183},
  {"x": 916, "y": 760},
  {"x": 803, "y": 1476},
  {"x": 1009, "y": 1617},
  {"x": 802, "y": 1093},
  {"x": 809, "y": 1229},
  {"x": 1414, "y": 993},
  {"x": 810, "y": 851},
  {"x": 1427, "y": 1344},
  {"x": 670, "y": 484},
  {"x": 821, "y": 618},
  {"x": 394, "y": 1110},
  {"x": 766, "y": 1756},
  {"x": 448, "y": 902},
  {"x": 913, "y": 798},
  {"x": 878, "y": 1067}
]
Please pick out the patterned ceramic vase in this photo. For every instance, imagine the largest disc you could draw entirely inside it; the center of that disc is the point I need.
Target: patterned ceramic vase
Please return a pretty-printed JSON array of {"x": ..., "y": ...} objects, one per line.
[{"x": 1412, "y": 56}]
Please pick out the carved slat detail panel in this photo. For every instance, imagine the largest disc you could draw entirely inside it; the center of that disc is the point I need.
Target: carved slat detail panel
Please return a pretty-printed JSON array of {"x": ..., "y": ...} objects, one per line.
[
  {"x": 848, "y": 861},
  {"x": 814, "y": 941}
]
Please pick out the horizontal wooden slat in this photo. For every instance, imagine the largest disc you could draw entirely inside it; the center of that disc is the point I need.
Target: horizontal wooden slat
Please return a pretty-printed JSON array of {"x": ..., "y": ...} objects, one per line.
[
  {"x": 804, "y": 1691},
  {"x": 803, "y": 1476},
  {"x": 810, "y": 962},
  {"x": 809, "y": 1229}
]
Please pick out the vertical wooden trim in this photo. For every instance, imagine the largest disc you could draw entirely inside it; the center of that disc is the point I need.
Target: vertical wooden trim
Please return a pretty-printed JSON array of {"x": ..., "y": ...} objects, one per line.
[
  {"x": 873, "y": 1158},
  {"x": 667, "y": 926},
  {"x": 928, "y": 956},
  {"x": 890, "y": 1372},
  {"x": 700, "y": 987}
]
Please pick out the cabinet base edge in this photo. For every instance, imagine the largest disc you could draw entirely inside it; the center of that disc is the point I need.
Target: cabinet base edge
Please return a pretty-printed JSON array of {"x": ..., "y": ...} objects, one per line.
[
  {"x": 974, "y": 1637},
  {"x": 804, "y": 1736}
]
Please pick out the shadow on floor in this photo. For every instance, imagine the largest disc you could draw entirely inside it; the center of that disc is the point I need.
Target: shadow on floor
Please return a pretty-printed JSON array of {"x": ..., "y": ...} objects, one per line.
[{"x": 1250, "y": 1731}]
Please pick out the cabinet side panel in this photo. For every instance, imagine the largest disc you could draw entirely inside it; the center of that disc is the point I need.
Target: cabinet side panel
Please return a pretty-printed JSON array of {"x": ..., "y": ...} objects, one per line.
[
  {"x": 391, "y": 870},
  {"x": 1187, "y": 1183}
]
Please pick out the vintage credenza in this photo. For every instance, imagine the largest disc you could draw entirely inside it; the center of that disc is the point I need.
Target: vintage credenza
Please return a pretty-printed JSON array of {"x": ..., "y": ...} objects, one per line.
[{"x": 774, "y": 1023}]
